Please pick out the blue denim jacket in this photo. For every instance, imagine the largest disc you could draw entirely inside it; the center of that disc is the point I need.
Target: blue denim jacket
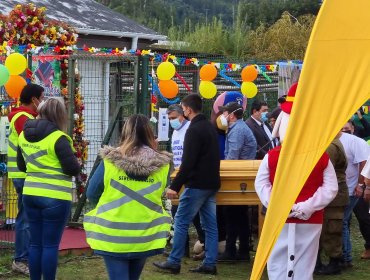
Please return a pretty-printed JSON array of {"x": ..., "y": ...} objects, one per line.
[{"x": 240, "y": 142}]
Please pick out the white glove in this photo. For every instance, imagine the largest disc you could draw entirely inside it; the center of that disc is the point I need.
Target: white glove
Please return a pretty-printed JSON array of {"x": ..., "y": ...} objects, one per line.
[{"x": 302, "y": 211}]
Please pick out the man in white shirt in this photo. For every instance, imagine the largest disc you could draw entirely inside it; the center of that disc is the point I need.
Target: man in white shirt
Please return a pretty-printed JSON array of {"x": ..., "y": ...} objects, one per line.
[
  {"x": 357, "y": 152},
  {"x": 180, "y": 125}
]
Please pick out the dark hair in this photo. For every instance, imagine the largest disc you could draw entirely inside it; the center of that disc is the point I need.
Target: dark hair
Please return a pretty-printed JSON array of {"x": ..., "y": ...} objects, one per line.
[
  {"x": 136, "y": 133},
  {"x": 256, "y": 105},
  {"x": 238, "y": 114},
  {"x": 193, "y": 101},
  {"x": 175, "y": 108},
  {"x": 29, "y": 91}
]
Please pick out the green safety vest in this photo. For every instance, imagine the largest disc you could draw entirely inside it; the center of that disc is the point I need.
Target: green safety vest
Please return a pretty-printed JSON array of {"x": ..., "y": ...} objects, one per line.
[
  {"x": 13, "y": 171},
  {"x": 45, "y": 176},
  {"x": 129, "y": 216}
]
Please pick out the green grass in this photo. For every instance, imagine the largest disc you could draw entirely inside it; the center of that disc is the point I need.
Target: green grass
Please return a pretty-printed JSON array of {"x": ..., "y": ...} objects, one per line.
[{"x": 92, "y": 268}]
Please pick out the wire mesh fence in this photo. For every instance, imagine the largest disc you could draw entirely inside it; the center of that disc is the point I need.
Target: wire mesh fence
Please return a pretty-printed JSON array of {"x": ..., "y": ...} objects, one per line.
[{"x": 112, "y": 89}]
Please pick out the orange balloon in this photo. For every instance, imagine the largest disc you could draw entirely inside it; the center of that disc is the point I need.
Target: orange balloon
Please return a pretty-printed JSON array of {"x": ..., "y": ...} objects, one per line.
[
  {"x": 249, "y": 73},
  {"x": 208, "y": 72},
  {"x": 15, "y": 85},
  {"x": 168, "y": 88}
]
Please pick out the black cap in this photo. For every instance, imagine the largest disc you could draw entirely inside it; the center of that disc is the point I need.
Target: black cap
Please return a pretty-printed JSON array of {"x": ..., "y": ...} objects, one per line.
[{"x": 231, "y": 107}]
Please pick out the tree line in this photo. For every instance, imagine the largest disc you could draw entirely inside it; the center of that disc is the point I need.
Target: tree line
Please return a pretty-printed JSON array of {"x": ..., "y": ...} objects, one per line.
[{"x": 246, "y": 29}]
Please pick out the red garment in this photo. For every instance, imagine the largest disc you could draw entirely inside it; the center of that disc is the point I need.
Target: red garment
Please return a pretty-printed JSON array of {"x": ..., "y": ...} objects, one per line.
[
  {"x": 19, "y": 123},
  {"x": 314, "y": 181}
]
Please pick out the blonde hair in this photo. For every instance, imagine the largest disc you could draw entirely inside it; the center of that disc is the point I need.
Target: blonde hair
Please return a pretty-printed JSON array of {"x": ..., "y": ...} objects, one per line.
[
  {"x": 54, "y": 111},
  {"x": 136, "y": 133}
]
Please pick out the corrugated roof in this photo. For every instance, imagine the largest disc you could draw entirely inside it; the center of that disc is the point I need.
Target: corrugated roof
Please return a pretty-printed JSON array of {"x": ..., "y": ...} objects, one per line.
[{"x": 85, "y": 15}]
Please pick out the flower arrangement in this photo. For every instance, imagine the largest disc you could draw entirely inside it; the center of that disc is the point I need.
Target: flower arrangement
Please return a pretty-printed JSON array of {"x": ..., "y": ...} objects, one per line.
[
  {"x": 79, "y": 141},
  {"x": 27, "y": 24}
]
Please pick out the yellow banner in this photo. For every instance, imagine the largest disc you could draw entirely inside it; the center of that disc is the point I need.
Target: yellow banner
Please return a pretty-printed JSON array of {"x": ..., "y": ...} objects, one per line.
[{"x": 334, "y": 83}]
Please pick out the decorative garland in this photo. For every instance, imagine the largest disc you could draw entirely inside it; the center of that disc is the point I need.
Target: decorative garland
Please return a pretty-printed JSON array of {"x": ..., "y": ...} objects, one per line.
[
  {"x": 21, "y": 31},
  {"x": 79, "y": 141}
]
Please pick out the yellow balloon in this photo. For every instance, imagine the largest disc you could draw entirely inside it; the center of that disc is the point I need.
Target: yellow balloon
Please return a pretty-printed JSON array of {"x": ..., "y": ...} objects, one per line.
[
  {"x": 16, "y": 63},
  {"x": 249, "y": 89},
  {"x": 166, "y": 71},
  {"x": 207, "y": 89}
]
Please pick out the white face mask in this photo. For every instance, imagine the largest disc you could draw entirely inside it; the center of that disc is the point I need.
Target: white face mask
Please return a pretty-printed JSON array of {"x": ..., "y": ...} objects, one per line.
[
  {"x": 224, "y": 121},
  {"x": 42, "y": 103}
]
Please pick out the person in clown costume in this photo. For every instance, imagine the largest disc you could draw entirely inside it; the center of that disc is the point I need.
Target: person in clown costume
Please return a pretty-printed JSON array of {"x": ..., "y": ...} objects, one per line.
[{"x": 295, "y": 252}]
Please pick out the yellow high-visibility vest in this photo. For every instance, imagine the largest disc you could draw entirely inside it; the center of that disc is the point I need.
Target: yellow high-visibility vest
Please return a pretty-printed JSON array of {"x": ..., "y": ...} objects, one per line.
[
  {"x": 13, "y": 171},
  {"x": 45, "y": 176},
  {"x": 129, "y": 216}
]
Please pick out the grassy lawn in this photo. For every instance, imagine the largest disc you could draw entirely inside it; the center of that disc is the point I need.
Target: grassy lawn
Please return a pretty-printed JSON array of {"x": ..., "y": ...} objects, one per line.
[{"x": 92, "y": 268}]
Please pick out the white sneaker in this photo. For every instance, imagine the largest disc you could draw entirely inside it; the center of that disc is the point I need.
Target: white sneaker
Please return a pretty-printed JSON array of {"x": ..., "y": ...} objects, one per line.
[{"x": 20, "y": 267}]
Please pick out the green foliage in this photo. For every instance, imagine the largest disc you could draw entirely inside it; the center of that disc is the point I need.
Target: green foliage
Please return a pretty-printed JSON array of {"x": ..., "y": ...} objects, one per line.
[{"x": 246, "y": 29}]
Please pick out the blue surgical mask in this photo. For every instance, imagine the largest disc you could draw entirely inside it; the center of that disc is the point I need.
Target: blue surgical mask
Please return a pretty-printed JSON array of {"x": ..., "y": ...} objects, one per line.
[
  {"x": 264, "y": 117},
  {"x": 175, "y": 124}
]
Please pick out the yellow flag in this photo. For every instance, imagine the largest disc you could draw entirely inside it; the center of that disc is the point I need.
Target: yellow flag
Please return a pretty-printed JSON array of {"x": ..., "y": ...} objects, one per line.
[{"x": 334, "y": 83}]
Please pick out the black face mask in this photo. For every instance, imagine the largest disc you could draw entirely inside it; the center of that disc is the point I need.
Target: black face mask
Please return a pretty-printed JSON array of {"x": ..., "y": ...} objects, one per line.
[{"x": 347, "y": 131}]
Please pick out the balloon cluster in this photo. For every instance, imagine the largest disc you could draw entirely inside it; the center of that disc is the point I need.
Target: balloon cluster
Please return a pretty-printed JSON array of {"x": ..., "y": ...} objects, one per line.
[
  {"x": 207, "y": 74},
  {"x": 248, "y": 88},
  {"x": 15, "y": 64},
  {"x": 165, "y": 72}
]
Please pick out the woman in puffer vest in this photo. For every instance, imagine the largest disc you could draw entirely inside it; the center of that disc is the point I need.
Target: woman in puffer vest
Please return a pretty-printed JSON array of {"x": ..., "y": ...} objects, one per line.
[{"x": 129, "y": 222}]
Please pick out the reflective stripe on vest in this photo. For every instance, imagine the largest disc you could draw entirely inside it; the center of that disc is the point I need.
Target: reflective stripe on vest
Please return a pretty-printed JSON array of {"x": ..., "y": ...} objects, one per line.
[
  {"x": 13, "y": 171},
  {"x": 126, "y": 239},
  {"x": 131, "y": 195},
  {"x": 45, "y": 176},
  {"x": 129, "y": 216}
]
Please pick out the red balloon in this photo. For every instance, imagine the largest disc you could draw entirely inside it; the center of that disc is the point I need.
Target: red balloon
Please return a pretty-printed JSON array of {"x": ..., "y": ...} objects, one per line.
[
  {"x": 168, "y": 88},
  {"x": 15, "y": 85}
]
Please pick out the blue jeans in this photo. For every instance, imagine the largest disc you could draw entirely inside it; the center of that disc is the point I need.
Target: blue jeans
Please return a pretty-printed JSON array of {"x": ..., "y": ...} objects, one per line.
[
  {"x": 47, "y": 218},
  {"x": 193, "y": 201},
  {"x": 22, "y": 233},
  {"x": 124, "y": 269},
  {"x": 347, "y": 246}
]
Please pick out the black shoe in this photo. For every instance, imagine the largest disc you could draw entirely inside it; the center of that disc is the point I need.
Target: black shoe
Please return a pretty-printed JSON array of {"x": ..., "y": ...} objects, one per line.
[
  {"x": 227, "y": 257},
  {"x": 333, "y": 268},
  {"x": 172, "y": 268},
  {"x": 204, "y": 269}
]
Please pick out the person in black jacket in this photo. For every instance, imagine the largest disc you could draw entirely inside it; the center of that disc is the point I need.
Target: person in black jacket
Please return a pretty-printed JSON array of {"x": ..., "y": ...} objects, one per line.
[
  {"x": 45, "y": 153},
  {"x": 200, "y": 173}
]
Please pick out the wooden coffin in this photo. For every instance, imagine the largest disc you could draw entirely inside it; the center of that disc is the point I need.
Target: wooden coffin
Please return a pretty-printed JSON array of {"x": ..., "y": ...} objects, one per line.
[{"x": 237, "y": 184}]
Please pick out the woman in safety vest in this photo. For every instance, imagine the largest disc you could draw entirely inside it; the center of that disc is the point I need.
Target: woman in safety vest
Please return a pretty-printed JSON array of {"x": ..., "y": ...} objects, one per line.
[
  {"x": 129, "y": 222},
  {"x": 46, "y": 153}
]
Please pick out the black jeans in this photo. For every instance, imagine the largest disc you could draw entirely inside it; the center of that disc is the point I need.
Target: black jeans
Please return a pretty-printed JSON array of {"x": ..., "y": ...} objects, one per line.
[
  {"x": 237, "y": 225},
  {"x": 361, "y": 211}
]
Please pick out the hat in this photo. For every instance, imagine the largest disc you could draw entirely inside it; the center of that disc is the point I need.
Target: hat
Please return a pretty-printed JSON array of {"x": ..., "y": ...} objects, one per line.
[
  {"x": 229, "y": 96},
  {"x": 274, "y": 113},
  {"x": 288, "y": 104},
  {"x": 231, "y": 107}
]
